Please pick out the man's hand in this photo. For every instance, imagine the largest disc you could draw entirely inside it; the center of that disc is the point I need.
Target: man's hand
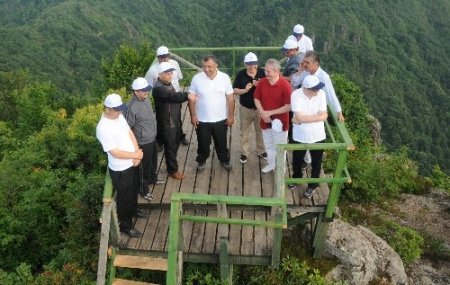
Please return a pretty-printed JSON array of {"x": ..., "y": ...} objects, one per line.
[
  {"x": 139, "y": 154},
  {"x": 230, "y": 121},
  {"x": 136, "y": 162},
  {"x": 192, "y": 97},
  {"x": 248, "y": 87},
  {"x": 265, "y": 116},
  {"x": 255, "y": 82},
  {"x": 341, "y": 117},
  {"x": 194, "y": 121}
]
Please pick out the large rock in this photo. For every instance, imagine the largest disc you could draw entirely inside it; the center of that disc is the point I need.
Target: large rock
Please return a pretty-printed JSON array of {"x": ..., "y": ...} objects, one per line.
[{"x": 364, "y": 256}]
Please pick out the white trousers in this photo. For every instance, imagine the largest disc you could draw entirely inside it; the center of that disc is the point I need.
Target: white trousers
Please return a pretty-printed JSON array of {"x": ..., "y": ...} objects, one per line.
[{"x": 271, "y": 139}]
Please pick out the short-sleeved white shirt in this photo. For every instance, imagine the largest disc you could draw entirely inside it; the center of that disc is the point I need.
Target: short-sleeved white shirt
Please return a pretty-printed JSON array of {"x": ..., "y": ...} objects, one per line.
[
  {"x": 114, "y": 134},
  {"x": 211, "y": 105},
  {"x": 308, "y": 132},
  {"x": 304, "y": 44},
  {"x": 152, "y": 74}
]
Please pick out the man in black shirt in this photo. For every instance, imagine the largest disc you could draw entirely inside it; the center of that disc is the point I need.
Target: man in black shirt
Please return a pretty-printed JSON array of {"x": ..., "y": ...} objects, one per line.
[{"x": 244, "y": 86}]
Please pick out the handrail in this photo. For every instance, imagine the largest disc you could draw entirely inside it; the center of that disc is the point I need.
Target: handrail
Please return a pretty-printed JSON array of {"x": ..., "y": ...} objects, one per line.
[{"x": 176, "y": 217}]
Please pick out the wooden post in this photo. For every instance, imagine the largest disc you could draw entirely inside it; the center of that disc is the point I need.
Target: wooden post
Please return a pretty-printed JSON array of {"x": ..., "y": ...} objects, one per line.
[
  {"x": 114, "y": 231},
  {"x": 277, "y": 236},
  {"x": 173, "y": 275},
  {"x": 226, "y": 269},
  {"x": 104, "y": 239}
]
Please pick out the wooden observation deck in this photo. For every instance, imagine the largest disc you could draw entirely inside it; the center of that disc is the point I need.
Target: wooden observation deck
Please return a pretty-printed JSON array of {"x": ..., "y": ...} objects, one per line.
[{"x": 219, "y": 216}]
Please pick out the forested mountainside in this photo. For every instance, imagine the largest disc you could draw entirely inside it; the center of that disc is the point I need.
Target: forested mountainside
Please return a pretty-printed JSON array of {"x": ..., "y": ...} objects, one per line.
[{"x": 396, "y": 51}]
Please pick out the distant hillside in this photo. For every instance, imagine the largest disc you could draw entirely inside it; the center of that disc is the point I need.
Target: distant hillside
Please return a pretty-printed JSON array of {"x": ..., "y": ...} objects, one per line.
[{"x": 396, "y": 51}]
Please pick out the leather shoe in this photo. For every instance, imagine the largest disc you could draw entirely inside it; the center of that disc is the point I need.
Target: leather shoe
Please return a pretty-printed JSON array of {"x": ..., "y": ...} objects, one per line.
[
  {"x": 184, "y": 141},
  {"x": 134, "y": 233},
  {"x": 177, "y": 175}
]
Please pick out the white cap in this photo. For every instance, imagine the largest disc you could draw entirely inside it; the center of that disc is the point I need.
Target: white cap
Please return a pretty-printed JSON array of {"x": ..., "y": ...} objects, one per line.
[
  {"x": 277, "y": 126},
  {"x": 115, "y": 101},
  {"x": 165, "y": 67},
  {"x": 312, "y": 82},
  {"x": 298, "y": 29},
  {"x": 162, "y": 50},
  {"x": 290, "y": 44},
  {"x": 141, "y": 83},
  {"x": 250, "y": 58}
]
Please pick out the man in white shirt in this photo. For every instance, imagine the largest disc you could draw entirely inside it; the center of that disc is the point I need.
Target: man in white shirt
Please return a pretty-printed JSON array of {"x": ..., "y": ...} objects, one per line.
[
  {"x": 311, "y": 66},
  {"x": 213, "y": 112},
  {"x": 304, "y": 42},
  {"x": 120, "y": 144},
  {"x": 152, "y": 74},
  {"x": 309, "y": 106}
]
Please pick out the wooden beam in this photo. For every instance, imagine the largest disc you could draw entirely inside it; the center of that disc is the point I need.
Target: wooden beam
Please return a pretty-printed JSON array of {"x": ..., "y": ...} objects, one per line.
[
  {"x": 104, "y": 239},
  {"x": 141, "y": 262}
]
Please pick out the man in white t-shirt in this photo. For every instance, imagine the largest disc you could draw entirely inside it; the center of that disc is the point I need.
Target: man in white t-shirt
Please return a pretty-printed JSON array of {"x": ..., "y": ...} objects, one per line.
[
  {"x": 120, "y": 144},
  {"x": 304, "y": 42},
  {"x": 163, "y": 55},
  {"x": 213, "y": 112},
  {"x": 309, "y": 107}
]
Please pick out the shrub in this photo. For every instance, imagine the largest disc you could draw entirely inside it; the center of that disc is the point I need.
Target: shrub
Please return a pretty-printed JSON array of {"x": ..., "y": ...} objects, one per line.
[
  {"x": 405, "y": 241},
  {"x": 440, "y": 179}
]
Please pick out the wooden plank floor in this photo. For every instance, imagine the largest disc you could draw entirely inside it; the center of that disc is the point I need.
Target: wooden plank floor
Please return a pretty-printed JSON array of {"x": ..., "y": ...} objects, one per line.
[{"x": 244, "y": 179}]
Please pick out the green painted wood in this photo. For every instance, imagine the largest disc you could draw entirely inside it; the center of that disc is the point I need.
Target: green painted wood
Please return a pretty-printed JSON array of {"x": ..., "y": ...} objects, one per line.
[
  {"x": 172, "y": 255},
  {"x": 108, "y": 188},
  {"x": 229, "y": 200},
  {"x": 232, "y": 221},
  {"x": 302, "y": 218},
  {"x": 104, "y": 241},
  {"x": 226, "y": 49},
  {"x": 277, "y": 236},
  {"x": 336, "y": 187},
  {"x": 225, "y": 266},
  {"x": 112, "y": 268},
  {"x": 320, "y": 236},
  {"x": 317, "y": 180}
]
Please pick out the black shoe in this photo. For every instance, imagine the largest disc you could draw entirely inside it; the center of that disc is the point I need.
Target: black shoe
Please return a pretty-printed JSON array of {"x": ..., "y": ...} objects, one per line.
[
  {"x": 134, "y": 233},
  {"x": 226, "y": 165},
  {"x": 141, "y": 214},
  {"x": 263, "y": 155},
  {"x": 243, "y": 158},
  {"x": 201, "y": 166},
  {"x": 184, "y": 141},
  {"x": 309, "y": 192},
  {"x": 160, "y": 147}
]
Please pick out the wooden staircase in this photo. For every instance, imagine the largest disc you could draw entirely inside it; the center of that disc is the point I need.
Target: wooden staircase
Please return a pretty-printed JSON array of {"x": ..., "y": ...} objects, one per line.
[{"x": 138, "y": 262}]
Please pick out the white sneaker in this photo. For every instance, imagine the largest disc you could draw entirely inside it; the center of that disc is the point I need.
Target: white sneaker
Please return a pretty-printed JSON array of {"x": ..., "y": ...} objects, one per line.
[{"x": 267, "y": 169}]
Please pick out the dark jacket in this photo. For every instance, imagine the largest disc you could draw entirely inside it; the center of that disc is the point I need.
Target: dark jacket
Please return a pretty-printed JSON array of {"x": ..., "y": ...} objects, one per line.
[{"x": 168, "y": 105}]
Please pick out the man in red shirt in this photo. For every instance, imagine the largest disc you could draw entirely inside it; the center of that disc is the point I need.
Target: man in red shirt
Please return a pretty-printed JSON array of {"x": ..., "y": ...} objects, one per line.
[{"x": 273, "y": 100}]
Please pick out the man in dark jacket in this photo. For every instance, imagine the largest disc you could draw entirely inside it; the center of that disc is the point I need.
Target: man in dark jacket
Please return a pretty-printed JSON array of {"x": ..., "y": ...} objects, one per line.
[{"x": 168, "y": 115}]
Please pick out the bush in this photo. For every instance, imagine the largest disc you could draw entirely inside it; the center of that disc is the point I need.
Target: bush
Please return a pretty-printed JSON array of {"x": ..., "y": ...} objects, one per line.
[
  {"x": 383, "y": 175},
  {"x": 440, "y": 179},
  {"x": 405, "y": 241}
]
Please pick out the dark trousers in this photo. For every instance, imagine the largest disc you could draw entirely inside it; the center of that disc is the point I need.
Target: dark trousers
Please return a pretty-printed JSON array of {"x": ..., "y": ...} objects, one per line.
[
  {"x": 316, "y": 164},
  {"x": 171, "y": 138},
  {"x": 148, "y": 166},
  {"x": 126, "y": 185},
  {"x": 218, "y": 131}
]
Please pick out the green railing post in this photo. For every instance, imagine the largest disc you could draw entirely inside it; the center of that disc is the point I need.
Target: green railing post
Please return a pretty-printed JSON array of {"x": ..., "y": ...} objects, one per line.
[
  {"x": 336, "y": 186},
  {"x": 174, "y": 232}
]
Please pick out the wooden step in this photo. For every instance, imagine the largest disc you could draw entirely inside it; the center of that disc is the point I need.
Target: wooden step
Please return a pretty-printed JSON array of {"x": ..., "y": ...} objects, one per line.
[
  {"x": 119, "y": 281},
  {"x": 141, "y": 262}
]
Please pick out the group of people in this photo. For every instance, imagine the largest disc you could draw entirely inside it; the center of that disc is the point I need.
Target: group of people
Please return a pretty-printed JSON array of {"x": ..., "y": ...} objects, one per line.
[{"x": 277, "y": 105}]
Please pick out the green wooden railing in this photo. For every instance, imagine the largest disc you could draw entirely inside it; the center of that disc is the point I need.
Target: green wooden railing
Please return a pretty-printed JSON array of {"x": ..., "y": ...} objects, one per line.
[
  {"x": 175, "y": 239},
  {"x": 233, "y": 50},
  {"x": 109, "y": 233}
]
